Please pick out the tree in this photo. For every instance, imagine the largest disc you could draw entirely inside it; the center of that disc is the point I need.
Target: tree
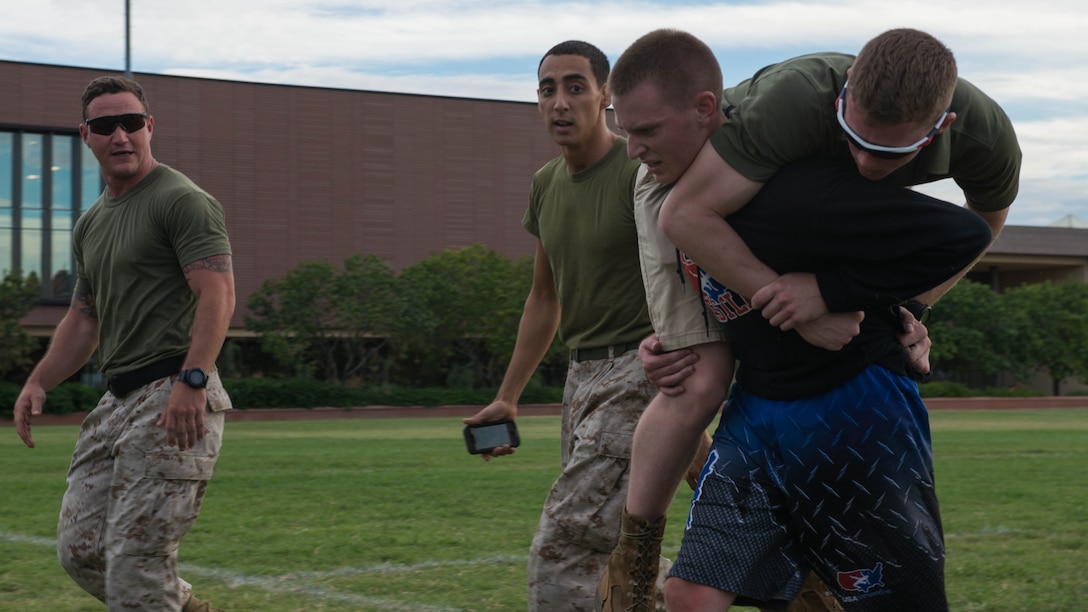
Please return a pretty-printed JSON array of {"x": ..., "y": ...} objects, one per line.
[
  {"x": 17, "y": 298},
  {"x": 460, "y": 315},
  {"x": 319, "y": 317},
  {"x": 970, "y": 333},
  {"x": 1050, "y": 323}
]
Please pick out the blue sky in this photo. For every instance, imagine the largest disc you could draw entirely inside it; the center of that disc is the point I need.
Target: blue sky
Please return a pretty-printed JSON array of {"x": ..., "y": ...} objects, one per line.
[{"x": 1031, "y": 57}]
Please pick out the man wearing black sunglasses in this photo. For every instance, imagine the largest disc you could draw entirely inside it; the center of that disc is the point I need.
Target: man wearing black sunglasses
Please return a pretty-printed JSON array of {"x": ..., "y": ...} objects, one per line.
[{"x": 153, "y": 299}]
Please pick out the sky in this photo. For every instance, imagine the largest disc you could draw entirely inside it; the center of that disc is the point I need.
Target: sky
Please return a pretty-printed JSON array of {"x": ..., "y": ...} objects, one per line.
[{"x": 1030, "y": 57}]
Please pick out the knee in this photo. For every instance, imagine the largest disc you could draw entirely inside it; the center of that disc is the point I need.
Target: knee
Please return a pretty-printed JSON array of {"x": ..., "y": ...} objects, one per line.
[{"x": 702, "y": 398}]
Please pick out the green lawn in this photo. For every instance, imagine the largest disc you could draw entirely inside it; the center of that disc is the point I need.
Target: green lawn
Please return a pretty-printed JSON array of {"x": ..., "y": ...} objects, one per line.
[{"x": 392, "y": 514}]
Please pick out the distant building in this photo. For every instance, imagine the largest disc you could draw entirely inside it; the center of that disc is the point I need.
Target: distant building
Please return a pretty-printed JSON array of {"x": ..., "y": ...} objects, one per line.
[
  {"x": 303, "y": 173},
  {"x": 309, "y": 173},
  {"x": 1070, "y": 221}
]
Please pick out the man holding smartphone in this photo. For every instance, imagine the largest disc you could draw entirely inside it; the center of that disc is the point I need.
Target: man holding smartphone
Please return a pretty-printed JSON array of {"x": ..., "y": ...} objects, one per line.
[{"x": 581, "y": 210}]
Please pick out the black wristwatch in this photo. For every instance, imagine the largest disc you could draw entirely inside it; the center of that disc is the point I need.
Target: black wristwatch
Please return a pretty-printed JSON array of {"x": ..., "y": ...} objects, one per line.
[
  {"x": 194, "y": 377},
  {"x": 919, "y": 310}
]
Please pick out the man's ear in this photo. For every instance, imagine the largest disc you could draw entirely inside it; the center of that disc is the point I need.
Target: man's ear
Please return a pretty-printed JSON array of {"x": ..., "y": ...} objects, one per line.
[
  {"x": 951, "y": 117},
  {"x": 706, "y": 105},
  {"x": 606, "y": 96}
]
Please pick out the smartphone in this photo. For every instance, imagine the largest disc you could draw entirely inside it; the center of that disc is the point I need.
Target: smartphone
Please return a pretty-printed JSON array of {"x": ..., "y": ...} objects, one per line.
[{"x": 489, "y": 436}]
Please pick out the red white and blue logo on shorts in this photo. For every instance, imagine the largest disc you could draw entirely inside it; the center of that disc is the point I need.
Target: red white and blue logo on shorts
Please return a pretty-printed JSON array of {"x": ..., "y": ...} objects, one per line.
[{"x": 862, "y": 580}]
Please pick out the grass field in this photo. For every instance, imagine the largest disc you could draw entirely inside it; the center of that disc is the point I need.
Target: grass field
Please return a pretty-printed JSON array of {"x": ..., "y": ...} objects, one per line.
[{"x": 392, "y": 514}]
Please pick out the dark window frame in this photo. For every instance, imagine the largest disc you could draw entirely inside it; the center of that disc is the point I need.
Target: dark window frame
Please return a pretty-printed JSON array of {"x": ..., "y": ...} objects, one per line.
[{"x": 71, "y": 202}]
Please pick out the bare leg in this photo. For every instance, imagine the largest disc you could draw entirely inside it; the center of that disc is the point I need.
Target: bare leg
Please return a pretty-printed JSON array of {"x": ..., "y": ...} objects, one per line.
[
  {"x": 681, "y": 595},
  {"x": 669, "y": 431},
  {"x": 665, "y": 440}
]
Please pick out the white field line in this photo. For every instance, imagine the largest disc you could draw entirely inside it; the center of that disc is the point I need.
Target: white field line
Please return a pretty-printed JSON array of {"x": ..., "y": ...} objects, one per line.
[{"x": 297, "y": 583}]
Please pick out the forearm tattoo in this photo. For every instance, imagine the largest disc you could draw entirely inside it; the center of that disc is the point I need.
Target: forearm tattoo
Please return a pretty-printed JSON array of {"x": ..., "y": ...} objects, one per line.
[
  {"x": 215, "y": 263},
  {"x": 84, "y": 303}
]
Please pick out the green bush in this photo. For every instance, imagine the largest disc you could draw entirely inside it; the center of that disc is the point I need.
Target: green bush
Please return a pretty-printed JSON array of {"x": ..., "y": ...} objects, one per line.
[
  {"x": 9, "y": 392},
  {"x": 309, "y": 393},
  {"x": 64, "y": 399},
  {"x": 944, "y": 388},
  {"x": 292, "y": 393}
]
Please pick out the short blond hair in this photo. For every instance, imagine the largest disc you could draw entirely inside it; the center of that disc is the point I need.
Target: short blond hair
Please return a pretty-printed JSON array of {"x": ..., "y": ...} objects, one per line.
[{"x": 903, "y": 75}]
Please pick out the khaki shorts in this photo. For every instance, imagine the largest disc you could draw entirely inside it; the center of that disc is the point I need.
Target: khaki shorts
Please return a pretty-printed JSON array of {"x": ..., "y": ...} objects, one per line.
[{"x": 676, "y": 309}]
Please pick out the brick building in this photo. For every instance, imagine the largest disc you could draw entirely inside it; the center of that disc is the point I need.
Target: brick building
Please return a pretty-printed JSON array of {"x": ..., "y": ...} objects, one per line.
[{"x": 307, "y": 173}]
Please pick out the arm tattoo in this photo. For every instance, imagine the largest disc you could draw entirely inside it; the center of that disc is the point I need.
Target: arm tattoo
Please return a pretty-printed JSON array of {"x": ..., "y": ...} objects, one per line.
[
  {"x": 215, "y": 263},
  {"x": 84, "y": 303}
]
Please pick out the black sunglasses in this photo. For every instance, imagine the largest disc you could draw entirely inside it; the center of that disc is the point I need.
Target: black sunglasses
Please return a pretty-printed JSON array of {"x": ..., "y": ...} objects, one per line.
[{"x": 106, "y": 125}]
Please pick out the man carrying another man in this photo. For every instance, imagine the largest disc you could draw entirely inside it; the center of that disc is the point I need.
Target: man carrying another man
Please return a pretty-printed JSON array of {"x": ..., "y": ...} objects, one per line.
[{"x": 863, "y": 243}]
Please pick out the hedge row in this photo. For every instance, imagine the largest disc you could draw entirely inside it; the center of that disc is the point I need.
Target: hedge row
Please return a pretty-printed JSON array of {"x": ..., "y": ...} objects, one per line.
[
  {"x": 292, "y": 393},
  {"x": 308, "y": 393},
  {"x": 67, "y": 398},
  {"x": 952, "y": 389}
]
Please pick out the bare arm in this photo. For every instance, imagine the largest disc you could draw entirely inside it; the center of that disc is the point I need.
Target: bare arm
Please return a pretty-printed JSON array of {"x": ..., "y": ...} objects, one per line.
[
  {"x": 693, "y": 218},
  {"x": 212, "y": 282},
  {"x": 73, "y": 344},
  {"x": 539, "y": 322}
]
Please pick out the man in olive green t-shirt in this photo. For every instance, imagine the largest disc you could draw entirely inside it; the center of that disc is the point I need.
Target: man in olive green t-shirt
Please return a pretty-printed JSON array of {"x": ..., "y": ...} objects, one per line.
[{"x": 154, "y": 295}]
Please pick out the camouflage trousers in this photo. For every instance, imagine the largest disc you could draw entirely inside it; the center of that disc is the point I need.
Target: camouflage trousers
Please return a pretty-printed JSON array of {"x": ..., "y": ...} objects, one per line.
[
  {"x": 131, "y": 498},
  {"x": 580, "y": 524}
]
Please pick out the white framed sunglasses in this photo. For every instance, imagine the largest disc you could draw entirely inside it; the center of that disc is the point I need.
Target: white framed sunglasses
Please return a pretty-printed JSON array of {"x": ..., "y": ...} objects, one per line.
[{"x": 876, "y": 150}]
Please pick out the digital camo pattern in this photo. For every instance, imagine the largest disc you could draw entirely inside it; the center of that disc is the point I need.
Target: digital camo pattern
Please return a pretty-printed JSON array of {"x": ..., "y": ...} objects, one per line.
[
  {"x": 580, "y": 524},
  {"x": 131, "y": 498}
]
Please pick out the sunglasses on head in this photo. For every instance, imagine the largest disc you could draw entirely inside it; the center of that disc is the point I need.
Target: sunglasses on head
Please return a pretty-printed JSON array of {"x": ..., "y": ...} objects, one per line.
[
  {"x": 106, "y": 125},
  {"x": 879, "y": 150}
]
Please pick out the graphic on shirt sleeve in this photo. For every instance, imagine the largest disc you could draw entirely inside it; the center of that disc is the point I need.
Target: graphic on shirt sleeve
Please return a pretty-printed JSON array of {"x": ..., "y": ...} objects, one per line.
[{"x": 724, "y": 304}]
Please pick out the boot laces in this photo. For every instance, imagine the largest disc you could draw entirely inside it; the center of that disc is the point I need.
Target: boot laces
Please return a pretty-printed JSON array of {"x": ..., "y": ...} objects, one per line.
[{"x": 643, "y": 574}]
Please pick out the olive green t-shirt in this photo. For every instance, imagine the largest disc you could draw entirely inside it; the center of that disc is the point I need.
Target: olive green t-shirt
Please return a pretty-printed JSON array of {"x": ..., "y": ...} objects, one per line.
[
  {"x": 129, "y": 254},
  {"x": 586, "y": 224},
  {"x": 786, "y": 112}
]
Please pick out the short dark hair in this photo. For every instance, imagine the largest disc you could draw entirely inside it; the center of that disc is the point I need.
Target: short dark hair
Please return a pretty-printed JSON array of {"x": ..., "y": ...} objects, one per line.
[
  {"x": 598, "y": 61},
  {"x": 111, "y": 85},
  {"x": 904, "y": 75},
  {"x": 676, "y": 62}
]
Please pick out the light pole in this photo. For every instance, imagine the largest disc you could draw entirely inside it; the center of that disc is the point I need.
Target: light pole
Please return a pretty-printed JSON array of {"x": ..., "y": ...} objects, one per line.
[{"x": 128, "y": 43}]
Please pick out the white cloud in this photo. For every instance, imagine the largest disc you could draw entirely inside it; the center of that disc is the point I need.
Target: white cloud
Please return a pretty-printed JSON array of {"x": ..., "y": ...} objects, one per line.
[{"x": 1031, "y": 59}]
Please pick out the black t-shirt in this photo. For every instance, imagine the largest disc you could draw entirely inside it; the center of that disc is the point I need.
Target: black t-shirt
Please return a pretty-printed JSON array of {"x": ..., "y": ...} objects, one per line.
[{"x": 871, "y": 246}]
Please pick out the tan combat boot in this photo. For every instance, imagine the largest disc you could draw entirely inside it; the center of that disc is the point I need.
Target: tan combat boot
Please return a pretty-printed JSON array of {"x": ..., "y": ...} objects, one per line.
[
  {"x": 198, "y": 605},
  {"x": 629, "y": 582},
  {"x": 815, "y": 596}
]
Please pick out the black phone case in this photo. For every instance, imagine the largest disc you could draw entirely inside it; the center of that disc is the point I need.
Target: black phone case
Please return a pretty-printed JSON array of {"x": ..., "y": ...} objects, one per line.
[{"x": 470, "y": 441}]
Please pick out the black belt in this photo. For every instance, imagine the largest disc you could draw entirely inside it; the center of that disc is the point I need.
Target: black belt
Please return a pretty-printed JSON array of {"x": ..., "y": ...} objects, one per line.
[
  {"x": 121, "y": 385},
  {"x": 602, "y": 352}
]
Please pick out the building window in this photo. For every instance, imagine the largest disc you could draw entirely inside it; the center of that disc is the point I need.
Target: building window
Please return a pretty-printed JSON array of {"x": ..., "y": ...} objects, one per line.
[{"x": 47, "y": 179}]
